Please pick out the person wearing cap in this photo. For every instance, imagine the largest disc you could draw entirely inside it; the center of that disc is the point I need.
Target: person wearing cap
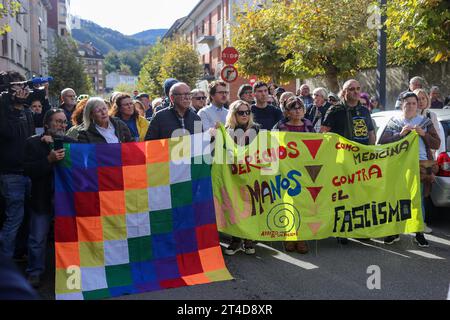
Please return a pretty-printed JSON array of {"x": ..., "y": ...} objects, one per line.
[
  {"x": 168, "y": 84},
  {"x": 414, "y": 84},
  {"x": 144, "y": 98},
  {"x": 333, "y": 99},
  {"x": 278, "y": 92},
  {"x": 245, "y": 93}
]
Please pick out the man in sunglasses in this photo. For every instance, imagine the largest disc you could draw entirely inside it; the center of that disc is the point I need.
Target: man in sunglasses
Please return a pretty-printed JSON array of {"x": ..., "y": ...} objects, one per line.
[
  {"x": 350, "y": 119},
  {"x": 198, "y": 100},
  {"x": 42, "y": 153}
]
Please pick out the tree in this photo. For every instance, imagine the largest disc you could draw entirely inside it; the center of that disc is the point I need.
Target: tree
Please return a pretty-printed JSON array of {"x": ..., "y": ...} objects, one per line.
[
  {"x": 8, "y": 7},
  {"x": 169, "y": 59},
  {"x": 257, "y": 37},
  {"x": 67, "y": 70},
  {"x": 418, "y": 31},
  {"x": 151, "y": 66},
  {"x": 112, "y": 62},
  {"x": 123, "y": 87},
  {"x": 180, "y": 61}
]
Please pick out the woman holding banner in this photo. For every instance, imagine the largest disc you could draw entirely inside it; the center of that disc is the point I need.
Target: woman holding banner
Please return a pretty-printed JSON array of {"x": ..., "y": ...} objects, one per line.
[
  {"x": 294, "y": 112},
  {"x": 399, "y": 127},
  {"x": 240, "y": 125}
]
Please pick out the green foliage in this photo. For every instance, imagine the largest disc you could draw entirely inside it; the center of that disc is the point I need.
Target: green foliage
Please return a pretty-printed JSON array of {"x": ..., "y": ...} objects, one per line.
[
  {"x": 126, "y": 88},
  {"x": 180, "y": 61},
  {"x": 306, "y": 38},
  {"x": 114, "y": 60},
  {"x": 67, "y": 70},
  {"x": 169, "y": 59},
  {"x": 257, "y": 36},
  {"x": 151, "y": 66},
  {"x": 418, "y": 30},
  {"x": 8, "y": 7}
]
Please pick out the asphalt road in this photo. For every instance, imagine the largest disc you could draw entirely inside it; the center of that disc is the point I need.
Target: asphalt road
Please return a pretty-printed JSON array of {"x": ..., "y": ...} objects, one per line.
[{"x": 329, "y": 271}]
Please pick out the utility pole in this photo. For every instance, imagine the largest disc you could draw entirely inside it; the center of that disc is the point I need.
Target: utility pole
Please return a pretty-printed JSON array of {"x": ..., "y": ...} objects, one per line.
[{"x": 382, "y": 51}]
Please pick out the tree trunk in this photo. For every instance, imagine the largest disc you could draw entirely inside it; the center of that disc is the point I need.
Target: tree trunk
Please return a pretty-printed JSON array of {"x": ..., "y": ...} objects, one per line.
[{"x": 331, "y": 79}]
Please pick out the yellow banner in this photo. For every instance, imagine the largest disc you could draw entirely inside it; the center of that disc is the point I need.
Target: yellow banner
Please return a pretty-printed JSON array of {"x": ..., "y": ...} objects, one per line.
[{"x": 303, "y": 186}]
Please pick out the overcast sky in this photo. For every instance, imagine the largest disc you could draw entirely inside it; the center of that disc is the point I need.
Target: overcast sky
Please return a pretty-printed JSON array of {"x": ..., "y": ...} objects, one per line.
[{"x": 132, "y": 16}]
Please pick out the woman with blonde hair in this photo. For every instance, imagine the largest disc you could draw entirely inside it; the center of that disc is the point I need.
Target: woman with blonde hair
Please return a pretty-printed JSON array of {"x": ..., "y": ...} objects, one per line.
[
  {"x": 240, "y": 125},
  {"x": 99, "y": 127}
]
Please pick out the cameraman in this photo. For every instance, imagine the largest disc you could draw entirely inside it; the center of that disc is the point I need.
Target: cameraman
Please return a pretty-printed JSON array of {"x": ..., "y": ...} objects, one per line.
[
  {"x": 16, "y": 126},
  {"x": 42, "y": 152}
]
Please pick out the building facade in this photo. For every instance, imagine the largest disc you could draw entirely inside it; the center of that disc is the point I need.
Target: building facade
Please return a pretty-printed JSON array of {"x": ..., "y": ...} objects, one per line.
[
  {"x": 208, "y": 29},
  {"x": 94, "y": 64},
  {"x": 59, "y": 21},
  {"x": 114, "y": 79},
  {"x": 25, "y": 47}
]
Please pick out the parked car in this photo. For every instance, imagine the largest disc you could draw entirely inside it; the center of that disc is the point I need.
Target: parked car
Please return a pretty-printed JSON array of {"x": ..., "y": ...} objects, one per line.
[{"x": 440, "y": 193}]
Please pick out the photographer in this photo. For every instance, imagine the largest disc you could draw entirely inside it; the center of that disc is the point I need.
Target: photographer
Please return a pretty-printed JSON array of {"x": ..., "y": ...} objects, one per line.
[
  {"x": 16, "y": 125},
  {"x": 42, "y": 152}
]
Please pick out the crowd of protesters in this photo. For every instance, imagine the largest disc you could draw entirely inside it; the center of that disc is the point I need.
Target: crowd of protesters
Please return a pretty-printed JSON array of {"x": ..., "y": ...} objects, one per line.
[{"x": 34, "y": 133}]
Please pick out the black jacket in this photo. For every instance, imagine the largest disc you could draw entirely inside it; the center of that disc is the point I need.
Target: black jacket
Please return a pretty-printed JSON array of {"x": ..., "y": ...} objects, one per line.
[
  {"x": 313, "y": 117},
  {"x": 91, "y": 135},
  {"x": 40, "y": 171},
  {"x": 16, "y": 126},
  {"x": 166, "y": 121}
]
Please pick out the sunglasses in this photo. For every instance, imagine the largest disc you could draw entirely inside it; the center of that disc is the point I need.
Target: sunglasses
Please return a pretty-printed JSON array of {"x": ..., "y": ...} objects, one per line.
[
  {"x": 199, "y": 98},
  {"x": 242, "y": 113}
]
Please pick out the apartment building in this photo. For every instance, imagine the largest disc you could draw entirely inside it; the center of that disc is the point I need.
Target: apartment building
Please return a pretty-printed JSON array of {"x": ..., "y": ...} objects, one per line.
[
  {"x": 59, "y": 21},
  {"x": 24, "y": 48},
  {"x": 208, "y": 28},
  {"x": 116, "y": 78},
  {"x": 94, "y": 63}
]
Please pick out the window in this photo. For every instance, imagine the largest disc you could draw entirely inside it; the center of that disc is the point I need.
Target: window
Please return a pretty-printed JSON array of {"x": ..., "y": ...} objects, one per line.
[
  {"x": 19, "y": 53},
  {"x": 12, "y": 50},
  {"x": 5, "y": 45}
]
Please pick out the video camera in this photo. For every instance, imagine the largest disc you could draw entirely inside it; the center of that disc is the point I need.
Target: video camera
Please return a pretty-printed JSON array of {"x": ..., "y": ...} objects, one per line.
[{"x": 37, "y": 92}]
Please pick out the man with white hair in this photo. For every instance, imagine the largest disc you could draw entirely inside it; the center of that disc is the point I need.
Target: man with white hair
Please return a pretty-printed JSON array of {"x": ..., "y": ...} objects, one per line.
[
  {"x": 68, "y": 103},
  {"x": 319, "y": 109},
  {"x": 414, "y": 84}
]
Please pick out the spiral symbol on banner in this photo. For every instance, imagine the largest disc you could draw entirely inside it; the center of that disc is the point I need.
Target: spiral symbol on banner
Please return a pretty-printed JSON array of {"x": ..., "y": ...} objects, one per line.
[{"x": 284, "y": 218}]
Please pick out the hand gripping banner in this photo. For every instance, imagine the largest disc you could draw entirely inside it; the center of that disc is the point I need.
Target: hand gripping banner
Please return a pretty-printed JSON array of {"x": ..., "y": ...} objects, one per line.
[{"x": 303, "y": 186}]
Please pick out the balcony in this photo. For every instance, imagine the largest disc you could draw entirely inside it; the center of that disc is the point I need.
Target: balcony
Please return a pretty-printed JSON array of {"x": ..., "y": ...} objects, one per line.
[{"x": 206, "y": 39}]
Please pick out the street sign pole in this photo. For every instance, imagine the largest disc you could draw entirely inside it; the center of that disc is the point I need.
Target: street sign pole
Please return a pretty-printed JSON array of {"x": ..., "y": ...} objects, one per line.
[{"x": 382, "y": 52}]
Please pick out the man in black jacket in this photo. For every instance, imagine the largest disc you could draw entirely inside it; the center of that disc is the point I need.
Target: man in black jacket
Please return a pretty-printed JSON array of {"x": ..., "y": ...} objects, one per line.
[
  {"x": 42, "y": 152},
  {"x": 177, "y": 120},
  {"x": 16, "y": 125}
]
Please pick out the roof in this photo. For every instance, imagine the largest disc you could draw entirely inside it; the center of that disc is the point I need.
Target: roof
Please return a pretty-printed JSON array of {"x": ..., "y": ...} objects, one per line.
[{"x": 90, "y": 51}]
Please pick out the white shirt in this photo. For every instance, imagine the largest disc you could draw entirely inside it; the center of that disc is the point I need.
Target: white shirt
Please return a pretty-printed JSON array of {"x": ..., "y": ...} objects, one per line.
[
  {"x": 109, "y": 133},
  {"x": 211, "y": 115}
]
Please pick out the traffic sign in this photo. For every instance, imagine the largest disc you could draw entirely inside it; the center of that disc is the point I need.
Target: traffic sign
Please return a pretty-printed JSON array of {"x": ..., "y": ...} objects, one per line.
[
  {"x": 253, "y": 80},
  {"x": 229, "y": 74},
  {"x": 230, "y": 55}
]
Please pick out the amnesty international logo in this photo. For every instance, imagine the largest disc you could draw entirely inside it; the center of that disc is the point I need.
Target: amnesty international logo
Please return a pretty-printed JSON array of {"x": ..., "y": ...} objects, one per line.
[{"x": 284, "y": 218}]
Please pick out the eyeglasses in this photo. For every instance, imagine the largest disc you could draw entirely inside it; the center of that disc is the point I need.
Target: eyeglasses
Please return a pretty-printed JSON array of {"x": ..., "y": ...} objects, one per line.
[
  {"x": 127, "y": 104},
  {"x": 242, "y": 113},
  {"x": 354, "y": 89},
  {"x": 61, "y": 122},
  {"x": 199, "y": 98},
  {"x": 183, "y": 95},
  {"x": 247, "y": 92}
]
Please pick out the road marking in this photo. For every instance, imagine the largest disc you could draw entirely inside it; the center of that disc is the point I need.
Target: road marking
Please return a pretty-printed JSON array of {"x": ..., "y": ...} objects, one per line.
[
  {"x": 379, "y": 248},
  {"x": 286, "y": 258},
  {"x": 437, "y": 239},
  {"x": 426, "y": 255}
]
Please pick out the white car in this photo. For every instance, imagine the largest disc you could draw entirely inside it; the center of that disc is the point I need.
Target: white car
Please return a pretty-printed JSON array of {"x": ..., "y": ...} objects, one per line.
[{"x": 440, "y": 193}]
